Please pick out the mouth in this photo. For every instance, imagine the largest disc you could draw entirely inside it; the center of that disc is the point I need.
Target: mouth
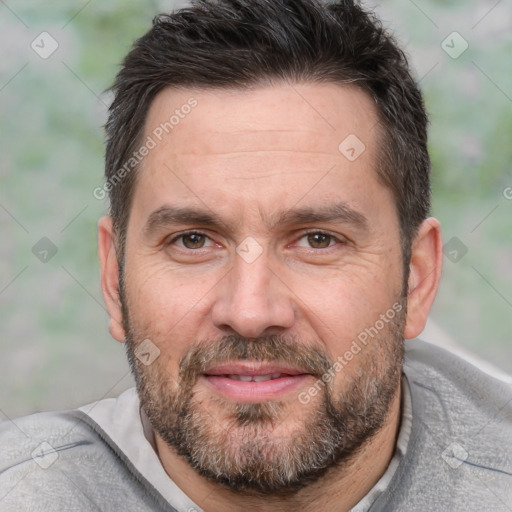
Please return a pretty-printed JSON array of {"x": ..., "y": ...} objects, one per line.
[
  {"x": 254, "y": 381},
  {"x": 255, "y": 378}
]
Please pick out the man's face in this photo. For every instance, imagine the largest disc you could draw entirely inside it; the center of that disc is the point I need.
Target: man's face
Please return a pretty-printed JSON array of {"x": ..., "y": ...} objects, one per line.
[{"x": 259, "y": 253}]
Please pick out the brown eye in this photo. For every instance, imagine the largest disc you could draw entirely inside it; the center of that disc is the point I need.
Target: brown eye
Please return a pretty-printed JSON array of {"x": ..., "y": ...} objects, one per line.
[
  {"x": 319, "y": 240},
  {"x": 193, "y": 240}
]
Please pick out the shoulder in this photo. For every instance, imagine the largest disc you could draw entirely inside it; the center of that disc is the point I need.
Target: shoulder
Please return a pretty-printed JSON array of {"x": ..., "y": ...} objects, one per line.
[
  {"x": 39, "y": 458},
  {"x": 444, "y": 378},
  {"x": 42, "y": 437},
  {"x": 55, "y": 461},
  {"x": 459, "y": 452}
]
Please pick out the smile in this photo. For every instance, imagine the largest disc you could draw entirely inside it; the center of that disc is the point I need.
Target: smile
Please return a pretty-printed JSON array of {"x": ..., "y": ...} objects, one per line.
[{"x": 248, "y": 381}]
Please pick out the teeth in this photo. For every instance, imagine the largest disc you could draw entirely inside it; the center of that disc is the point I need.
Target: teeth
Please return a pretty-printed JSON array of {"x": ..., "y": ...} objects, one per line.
[
  {"x": 254, "y": 378},
  {"x": 261, "y": 378}
]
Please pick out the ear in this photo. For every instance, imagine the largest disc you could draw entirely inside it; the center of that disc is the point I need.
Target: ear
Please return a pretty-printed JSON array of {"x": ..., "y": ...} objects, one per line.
[
  {"x": 425, "y": 273},
  {"x": 110, "y": 277}
]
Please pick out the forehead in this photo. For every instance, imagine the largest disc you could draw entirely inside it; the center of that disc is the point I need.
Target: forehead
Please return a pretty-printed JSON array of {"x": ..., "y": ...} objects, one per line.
[
  {"x": 222, "y": 121},
  {"x": 259, "y": 148}
]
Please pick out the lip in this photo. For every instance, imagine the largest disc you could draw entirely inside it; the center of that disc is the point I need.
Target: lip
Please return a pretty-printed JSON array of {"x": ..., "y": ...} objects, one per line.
[
  {"x": 252, "y": 368},
  {"x": 291, "y": 379}
]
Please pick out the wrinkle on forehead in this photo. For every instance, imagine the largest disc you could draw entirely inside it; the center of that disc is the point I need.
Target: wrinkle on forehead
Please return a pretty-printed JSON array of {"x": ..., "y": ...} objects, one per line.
[{"x": 314, "y": 117}]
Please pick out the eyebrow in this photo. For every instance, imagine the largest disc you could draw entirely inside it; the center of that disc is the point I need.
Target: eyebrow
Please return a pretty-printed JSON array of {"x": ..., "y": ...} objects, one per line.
[
  {"x": 337, "y": 212},
  {"x": 166, "y": 216}
]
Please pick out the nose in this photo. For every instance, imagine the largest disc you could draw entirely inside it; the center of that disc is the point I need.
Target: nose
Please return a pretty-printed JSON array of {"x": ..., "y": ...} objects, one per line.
[{"x": 252, "y": 300}]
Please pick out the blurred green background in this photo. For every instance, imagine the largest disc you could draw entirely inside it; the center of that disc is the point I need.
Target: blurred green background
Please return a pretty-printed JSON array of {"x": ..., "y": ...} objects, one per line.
[{"x": 55, "y": 348}]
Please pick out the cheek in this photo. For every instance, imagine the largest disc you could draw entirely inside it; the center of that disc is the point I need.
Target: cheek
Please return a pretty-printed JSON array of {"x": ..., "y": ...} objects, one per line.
[
  {"x": 166, "y": 305},
  {"x": 162, "y": 290},
  {"x": 340, "y": 308}
]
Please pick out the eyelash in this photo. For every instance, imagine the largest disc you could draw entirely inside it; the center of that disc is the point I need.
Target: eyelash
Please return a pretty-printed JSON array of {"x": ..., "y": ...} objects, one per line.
[
  {"x": 188, "y": 233},
  {"x": 325, "y": 233},
  {"x": 306, "y": 233}
]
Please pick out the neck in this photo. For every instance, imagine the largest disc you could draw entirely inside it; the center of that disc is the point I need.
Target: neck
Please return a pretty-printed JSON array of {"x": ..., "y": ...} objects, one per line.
[{"x": 340, "y": 489}]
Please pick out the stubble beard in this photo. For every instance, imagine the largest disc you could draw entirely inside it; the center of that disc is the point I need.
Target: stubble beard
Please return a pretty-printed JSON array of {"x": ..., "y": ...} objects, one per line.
[{"x": 245, "y": 446}]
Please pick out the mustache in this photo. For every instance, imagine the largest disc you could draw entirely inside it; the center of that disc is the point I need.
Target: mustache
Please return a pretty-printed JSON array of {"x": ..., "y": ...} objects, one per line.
[{"x": 274, "y": 348}]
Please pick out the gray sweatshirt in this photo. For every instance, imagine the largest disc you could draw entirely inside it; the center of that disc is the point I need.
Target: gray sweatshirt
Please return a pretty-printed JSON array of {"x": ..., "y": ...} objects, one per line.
[{"x": 454, "y": 451}]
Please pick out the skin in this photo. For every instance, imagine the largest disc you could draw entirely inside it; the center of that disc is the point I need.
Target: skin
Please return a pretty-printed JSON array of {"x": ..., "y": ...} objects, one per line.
[{"x": 249, "y": 156}]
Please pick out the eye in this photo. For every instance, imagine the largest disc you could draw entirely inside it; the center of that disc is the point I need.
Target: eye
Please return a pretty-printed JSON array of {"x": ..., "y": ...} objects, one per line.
[
  {"x": 192, "y": 240},
  {"x": 317, "y": 240}
]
